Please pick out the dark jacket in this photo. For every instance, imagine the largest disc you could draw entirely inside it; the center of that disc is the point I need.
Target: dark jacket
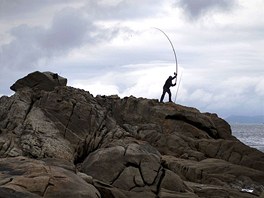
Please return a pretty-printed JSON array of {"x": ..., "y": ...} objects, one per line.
[{"x": 169, "y": 83}]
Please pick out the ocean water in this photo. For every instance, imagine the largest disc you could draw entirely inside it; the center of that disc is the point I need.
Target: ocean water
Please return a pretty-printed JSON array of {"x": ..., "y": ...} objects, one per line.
[{"x": 250, "y": 134}]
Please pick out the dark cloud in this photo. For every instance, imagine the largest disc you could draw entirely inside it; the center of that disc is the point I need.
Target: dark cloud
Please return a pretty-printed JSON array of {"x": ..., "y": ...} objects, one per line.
[
  {"x": 30, "y": 44},
  {"x": 17, "y": 8},
  {"x": 197, "y": 8},
  {"x": 98, "y": 9},
  {"x": 123, "y": 9},
  {"x": 69, "y": 30},
  {"x": 22, "y": 49}
]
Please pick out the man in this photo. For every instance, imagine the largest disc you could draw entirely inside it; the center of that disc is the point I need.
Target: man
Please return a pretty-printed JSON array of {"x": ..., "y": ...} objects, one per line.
[{"x": 166, "y": 87}]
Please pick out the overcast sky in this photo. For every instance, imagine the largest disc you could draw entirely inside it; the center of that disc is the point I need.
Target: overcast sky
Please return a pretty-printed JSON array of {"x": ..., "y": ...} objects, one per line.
[{"x": 110, "y": 47}]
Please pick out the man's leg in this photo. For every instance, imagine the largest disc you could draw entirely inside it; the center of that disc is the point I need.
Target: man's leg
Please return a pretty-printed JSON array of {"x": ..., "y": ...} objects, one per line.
[
  {"x": 169, "y": 92},
  {"x": 162, "y": 96}
]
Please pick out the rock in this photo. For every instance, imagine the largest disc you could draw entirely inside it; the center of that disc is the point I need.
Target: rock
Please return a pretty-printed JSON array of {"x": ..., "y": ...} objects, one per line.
[
  {"x": 108, "y": 190},
  {"x": 129, "y": 178},
  {"x": 223, "y": 128},
  {"x": 172, "y": 182},
  {"x": 35, "y": 178},
  {"x": 149, "y": 166},
  {"x": 112, "y": 192},
  {"x": 209, "y": 191},
  {"x": 8, "y": 192},
  {"x": 39, "y": 81},
  {"x": 137, "y": 165},
  {"x": 61, "y": 141},
  {"x": 85, "y": 177},
  {"x": 102, "y": 161},
  {"x": 216, "y": 172}
]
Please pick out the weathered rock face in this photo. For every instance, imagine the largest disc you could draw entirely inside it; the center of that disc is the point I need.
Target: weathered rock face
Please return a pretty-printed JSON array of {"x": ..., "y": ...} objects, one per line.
[
  {"x": 39, "y": 81},
  {"x": 24, "y": 177},
  {"x": 62, "y": 141}
]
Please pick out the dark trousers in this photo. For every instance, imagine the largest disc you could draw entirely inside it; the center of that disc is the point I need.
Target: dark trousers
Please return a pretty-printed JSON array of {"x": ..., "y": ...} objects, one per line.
[{"x": 165, "y": 90}]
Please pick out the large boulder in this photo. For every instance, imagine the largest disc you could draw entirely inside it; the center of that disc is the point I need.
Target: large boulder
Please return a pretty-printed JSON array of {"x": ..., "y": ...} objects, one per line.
[
  {"x": 39, "y": 81},
  {"x": 136, "y": 165},
  {"x": 24, "y": 177},
  {"x": 135, "y": 170}
]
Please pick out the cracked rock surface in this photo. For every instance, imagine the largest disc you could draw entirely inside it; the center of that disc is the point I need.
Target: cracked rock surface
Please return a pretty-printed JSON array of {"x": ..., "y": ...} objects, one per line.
[{"x": 59, "y": 141}]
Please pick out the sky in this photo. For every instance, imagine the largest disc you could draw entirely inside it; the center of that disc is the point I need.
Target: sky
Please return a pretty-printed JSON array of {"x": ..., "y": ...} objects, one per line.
[{"x": 110, "y": 47}]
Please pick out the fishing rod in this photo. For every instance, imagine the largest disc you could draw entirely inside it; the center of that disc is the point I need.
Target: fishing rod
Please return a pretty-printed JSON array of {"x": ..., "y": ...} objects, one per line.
[
  {"x": 178, "y": 88},
  {"x": 176, "y": 61}
]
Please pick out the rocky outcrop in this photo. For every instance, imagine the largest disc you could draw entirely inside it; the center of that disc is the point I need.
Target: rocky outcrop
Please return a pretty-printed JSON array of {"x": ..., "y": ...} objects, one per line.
[
  {"x": 39, "y": 81},
  {"x": 63, "y": 141}
]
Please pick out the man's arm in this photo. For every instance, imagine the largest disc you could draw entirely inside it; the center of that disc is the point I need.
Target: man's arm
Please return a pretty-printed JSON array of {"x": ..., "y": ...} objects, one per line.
[{"x": 175, "y": 75}]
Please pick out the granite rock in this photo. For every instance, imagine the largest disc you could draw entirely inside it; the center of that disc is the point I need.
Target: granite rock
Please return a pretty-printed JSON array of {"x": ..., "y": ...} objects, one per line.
[{"x": 57, "y": 140}]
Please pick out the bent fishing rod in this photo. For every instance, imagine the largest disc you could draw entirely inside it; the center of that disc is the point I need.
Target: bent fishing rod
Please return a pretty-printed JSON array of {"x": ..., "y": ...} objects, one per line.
[{"x": 176, "y": 61}]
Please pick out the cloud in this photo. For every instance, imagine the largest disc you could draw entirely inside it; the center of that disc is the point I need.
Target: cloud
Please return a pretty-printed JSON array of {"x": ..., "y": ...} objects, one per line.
[
  {"x": 122, "y": 9},
  {"x": 19, "y": 8},
  {"x": 197, "y": 8},
  {"x": 140, "y": 80},
  {"x": 69, "y": 30},
  {"x": 233, "y": 94},
  {"x": 93, "y": 88},
  {"x": 41, "y": 33},
  {"x": 259, "y": 89}
]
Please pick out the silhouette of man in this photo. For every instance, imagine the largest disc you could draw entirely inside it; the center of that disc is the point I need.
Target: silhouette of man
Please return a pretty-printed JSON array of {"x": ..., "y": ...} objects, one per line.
[{"x": 166, "y": 87}]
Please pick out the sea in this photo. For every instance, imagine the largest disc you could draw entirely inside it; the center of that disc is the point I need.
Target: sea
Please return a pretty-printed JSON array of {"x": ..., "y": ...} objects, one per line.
[{"x": 250, "y": 134}]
